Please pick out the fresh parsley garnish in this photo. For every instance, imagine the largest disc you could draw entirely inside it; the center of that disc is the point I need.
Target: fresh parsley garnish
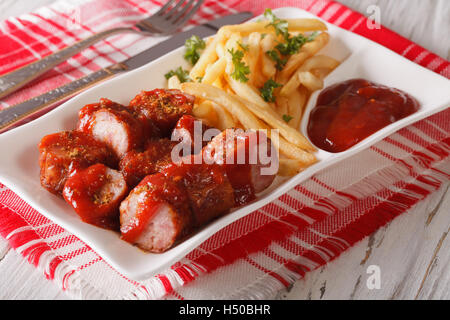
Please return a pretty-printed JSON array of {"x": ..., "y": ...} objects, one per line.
[
  {"x": 287, "y": 118},
  {"x": 182, "y": 75},
  {"x": 243, "y": 46},
  {"x": 193, "y": 45},
  {"x": 267, "y": 90},
  {"x": 293, "y": 44},
  {"x": 279, "y": 61},
  {"x": 280, "y": 25},
  {"x": 241, "y": 70}
]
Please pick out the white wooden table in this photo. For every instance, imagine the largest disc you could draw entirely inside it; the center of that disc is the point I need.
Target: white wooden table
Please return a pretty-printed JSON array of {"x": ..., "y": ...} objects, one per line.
[{"x": 412, "y": 252}]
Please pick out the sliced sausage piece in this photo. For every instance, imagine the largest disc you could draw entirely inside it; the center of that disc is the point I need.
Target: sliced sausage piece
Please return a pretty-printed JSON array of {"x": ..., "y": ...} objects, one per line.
[
  {"x": 247, "y": 157},
  {"x": 165, "y": 207},
  {"x": 65, "y": 152},
  {"x": 112, "y": 124},
  {"x": 156, "y": 214},
  {"x": 193, "y": 133},
  {"x": 160, "y": 109},
  {"x": 136, "y": 165},
  {"x": 95, "y": 194},
  {"x": 210, "y": 192}
]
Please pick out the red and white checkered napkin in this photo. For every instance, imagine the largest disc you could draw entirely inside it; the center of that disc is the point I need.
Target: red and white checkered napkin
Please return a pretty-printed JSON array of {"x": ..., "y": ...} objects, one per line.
[{"x": 268, "y": 249}]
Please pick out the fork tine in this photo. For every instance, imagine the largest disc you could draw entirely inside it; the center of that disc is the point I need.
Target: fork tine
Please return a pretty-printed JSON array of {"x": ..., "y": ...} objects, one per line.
[
  {"x": 181, "y": 11},
  {"x": 163, "y": 8},
  {"x": 189, "y": 14},
  {"x": 174, "y": 10},
  {"x": 166, "y": 20}
]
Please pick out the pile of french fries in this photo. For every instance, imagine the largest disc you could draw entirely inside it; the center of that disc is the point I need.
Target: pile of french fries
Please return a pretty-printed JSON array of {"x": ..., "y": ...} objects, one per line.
[{"x": 223, "y": 102}]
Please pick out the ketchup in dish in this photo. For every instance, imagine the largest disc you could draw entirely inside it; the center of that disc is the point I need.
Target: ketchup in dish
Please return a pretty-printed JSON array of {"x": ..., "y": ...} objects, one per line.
[{"x": 348, "y": 112}]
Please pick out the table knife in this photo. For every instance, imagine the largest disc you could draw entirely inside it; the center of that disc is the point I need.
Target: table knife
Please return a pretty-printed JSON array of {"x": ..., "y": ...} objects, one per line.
[{"x": 29, "y": 110}]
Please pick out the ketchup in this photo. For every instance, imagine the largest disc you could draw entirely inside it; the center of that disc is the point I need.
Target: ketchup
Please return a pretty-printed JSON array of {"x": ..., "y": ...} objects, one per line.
[{"x": 348, "y": 112}]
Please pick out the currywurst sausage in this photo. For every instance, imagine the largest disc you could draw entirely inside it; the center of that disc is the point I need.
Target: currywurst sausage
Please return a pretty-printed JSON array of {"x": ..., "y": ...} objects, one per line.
[
  {"x": 62, "y": 153},
  {"x": 167, "y": 206}
]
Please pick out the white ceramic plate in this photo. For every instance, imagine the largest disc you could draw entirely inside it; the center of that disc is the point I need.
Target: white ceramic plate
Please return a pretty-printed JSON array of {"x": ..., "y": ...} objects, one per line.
[{"x": 360, "y": 58}]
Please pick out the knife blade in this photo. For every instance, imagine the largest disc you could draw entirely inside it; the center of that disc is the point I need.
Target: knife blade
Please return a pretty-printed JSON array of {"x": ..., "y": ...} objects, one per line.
[{"x": 29, "y": 110}]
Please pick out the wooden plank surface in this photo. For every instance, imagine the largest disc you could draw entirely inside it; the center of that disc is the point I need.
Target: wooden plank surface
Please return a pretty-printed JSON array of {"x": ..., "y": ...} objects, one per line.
[{"x": 412, "y": 253}]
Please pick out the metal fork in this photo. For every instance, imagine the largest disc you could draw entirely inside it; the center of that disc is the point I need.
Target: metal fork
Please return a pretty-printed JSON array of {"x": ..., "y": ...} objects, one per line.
[{"x": 167, "y": 20}]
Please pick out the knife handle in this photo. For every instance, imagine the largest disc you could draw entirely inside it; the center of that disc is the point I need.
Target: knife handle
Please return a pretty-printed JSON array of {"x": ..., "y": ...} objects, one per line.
[
  {"x": 26, "y": 111},
  {"x": 16, "y": 79}
]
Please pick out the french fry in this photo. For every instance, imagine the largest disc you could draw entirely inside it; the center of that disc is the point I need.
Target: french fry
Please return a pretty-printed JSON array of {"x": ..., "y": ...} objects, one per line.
[
  {"x": 205, "y": 111},
  {"x": 246, "y": 91},
  {"x": 253, "y": 54},
  {"x": 258, "y": 78},
  {"x": 296, "y": 103},
  {"x": 206, "y": 71},
  {"x": 310, "y": 81},
  {"x": 209, "y": 41},
  {"x": 304, "y": 25},
  {"x": 287, "y": 149},
  {"x": 293, "y": 152},
  {"x": 228, "y": 101},
  {"x": 220, "y": 50},
  {"x": 315, "y": 62},
  {"x": 282, "y": 106},
  {"x": 308, "y": 50},
  {"x": 268, "y": 65},
  {"x": 290, "y": 86},
  {"x": 319, "y": 61},
  {"x": 273, "y": 119},
  {"x": 224, "y": 119},
  {"x": 232, "y": 43},
  {"x": 229, "y": 90},
  {"x": 263, "y": 110},
  {"x": 294, "y": 25},
  {"x": 208, "y": 56},
  {"x": 219, "y": 83},
  {"x": 214, "y": 71},
  {"x": 173, "y": 83}
]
